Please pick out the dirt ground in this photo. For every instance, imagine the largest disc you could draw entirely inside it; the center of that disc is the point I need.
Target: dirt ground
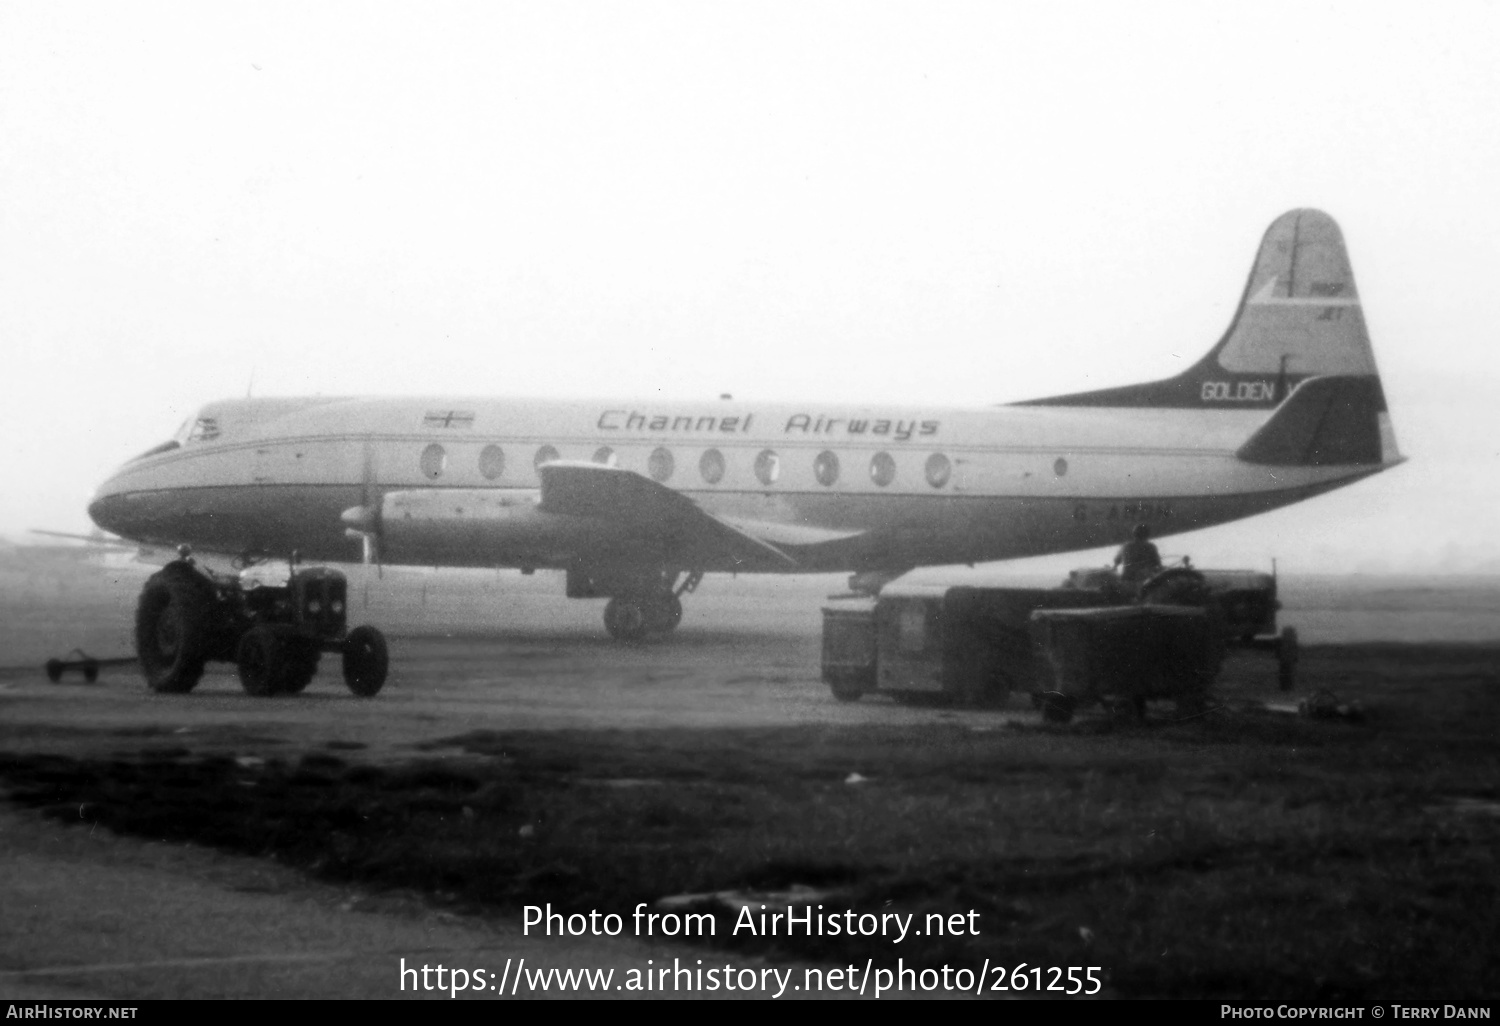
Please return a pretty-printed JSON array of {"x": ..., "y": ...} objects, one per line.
[{"x": 91, "y": 914}]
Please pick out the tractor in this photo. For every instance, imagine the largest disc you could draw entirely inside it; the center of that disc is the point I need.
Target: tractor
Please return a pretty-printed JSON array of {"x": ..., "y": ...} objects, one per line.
[{"x": 275, "y": 632}]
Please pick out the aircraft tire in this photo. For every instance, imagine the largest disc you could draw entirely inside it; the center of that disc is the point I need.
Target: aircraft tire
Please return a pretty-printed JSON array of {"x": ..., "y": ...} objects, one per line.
[
  {"x": 625, "y": 618},
  {"x": 172, "y": 624},
  {"x": 367, "y": 661},
  {"x": 663, "y": 615},
  {"x": 263, "y": 662}
]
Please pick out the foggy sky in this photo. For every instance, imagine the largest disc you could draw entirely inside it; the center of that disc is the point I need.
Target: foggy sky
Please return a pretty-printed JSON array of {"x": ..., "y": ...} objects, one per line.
[{"x": 933, "y": 204}]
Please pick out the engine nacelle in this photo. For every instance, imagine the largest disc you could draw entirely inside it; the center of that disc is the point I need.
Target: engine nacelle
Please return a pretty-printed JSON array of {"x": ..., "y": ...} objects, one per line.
[{"x": 448, "y": 525}]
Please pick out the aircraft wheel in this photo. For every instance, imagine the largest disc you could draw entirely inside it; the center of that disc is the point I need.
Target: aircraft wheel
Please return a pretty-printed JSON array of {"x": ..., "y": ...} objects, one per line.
[
  {"x": 625, "y": 618},
  {"x": 262, "y": 660},
  {"x": 366, "y": 661},
  {"x": 54, "y": 670},
  {"x": 663, "y": 615},
  {"x": 172, "y": 620},
  {"x": 1287, "y": 651}
]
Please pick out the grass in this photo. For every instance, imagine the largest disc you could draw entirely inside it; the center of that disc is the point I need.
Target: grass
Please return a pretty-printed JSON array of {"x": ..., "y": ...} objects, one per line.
[{"x": 1239, "y": 855}]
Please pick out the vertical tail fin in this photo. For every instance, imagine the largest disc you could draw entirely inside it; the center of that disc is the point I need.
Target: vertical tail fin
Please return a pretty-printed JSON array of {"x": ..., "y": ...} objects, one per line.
[{"x": 1300, "y": 317}]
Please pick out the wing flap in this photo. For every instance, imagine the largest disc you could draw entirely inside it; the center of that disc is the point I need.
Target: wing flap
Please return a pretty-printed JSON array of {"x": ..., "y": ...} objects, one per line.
[{"x": 687, "y": 534}]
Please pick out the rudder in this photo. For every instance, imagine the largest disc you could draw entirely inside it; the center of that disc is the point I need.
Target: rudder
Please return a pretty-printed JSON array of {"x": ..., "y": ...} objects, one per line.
[{"x": 1300, "y": 317}]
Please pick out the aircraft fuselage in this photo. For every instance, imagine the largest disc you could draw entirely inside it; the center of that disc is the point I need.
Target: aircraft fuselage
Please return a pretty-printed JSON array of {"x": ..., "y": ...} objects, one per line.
[{"x": 842, "y": 488}]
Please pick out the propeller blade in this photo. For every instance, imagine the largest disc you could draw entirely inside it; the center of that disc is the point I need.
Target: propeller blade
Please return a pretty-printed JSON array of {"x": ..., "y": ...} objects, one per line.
[
  {"x": 363, "y": 521},
  {"x": 374, "y": 542}
]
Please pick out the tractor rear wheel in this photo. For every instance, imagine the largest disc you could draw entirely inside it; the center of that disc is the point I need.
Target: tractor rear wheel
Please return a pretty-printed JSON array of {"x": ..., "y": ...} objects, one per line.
[{"x": 173, "y": 621}]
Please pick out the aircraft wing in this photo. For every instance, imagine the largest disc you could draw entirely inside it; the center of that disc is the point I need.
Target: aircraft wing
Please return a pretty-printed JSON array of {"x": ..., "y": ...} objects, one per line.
[
  {"x": 625, "y": 499},
  {"x": 98, "y": 539}
]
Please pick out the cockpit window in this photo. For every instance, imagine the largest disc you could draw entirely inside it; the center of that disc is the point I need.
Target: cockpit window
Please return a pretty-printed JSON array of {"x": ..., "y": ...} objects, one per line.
[
  {"x": 157, "y": 450},
  {"x": 197, "y": 429}
]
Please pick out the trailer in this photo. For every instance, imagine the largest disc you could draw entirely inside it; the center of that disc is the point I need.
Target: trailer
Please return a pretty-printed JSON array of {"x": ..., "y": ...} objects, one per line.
[
  {"x": 1126, "y": 655},
  {"x": 959, "y": 644}
]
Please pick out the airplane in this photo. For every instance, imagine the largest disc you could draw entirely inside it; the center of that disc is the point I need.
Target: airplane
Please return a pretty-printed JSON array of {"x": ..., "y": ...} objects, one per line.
[{"x": 637, "y": 500}]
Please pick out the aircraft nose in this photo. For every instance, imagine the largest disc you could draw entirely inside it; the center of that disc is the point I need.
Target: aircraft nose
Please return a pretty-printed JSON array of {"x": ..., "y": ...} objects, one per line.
[
  {"x": 104, "y": 511},
  {"x": 108, "y": 508}
]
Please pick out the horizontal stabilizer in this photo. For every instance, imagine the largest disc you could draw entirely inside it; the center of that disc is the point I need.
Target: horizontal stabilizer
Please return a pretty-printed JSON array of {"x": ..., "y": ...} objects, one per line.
[{"x": 1325, "y": 421}]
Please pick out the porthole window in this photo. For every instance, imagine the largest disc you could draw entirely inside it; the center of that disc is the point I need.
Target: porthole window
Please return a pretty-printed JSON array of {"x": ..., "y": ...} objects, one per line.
[
  {"x": 711, "y": 466},
  {"x": 546, "y": 454},
  {"x": 605, "y": 455},
  {"x": 939, "y": 469},
  {"x": 882, "y": 469},
  {"x": 826, "y": 468},
  {"x": 660, "y": 464},
  {"x": 434, "y": 461},
  {"x": 767, "y": 467},
  {"x": 1060, "y": 467},
  {"x": 491, "y": 462}
]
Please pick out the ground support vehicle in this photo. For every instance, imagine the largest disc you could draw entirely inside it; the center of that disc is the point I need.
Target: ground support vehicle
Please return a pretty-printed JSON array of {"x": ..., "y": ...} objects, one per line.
[
  {"x": 961, "y": 644},
  {"x": 1126, "y": 655},
  {"x": 1243, "y": 604},
  {"x": 273, "y": 626}
]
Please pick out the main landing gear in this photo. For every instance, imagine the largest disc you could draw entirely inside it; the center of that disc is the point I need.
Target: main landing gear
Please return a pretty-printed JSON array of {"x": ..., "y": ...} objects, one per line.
[
  {"x": 275, "y": 634},
  {"x": 643, "y": 607},
  {"x": 634, "y": 617}
]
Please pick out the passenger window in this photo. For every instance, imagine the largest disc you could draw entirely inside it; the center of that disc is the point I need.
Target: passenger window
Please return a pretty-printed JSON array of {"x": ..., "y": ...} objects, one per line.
[
  {"x": 711, "y": 466},
  {"x": 660, "y": 464},
  {"x": 434, "y": 461},
  {"x": 938, "y": 470},
  {"x": 882, "y": 469},
  {"x": 491, "y": 462},
  {"x": 546, "y": 454},
  {"x": 826, "y": 468},
  {"x": 767, "y": 467},
  {"x": 605, "y": 455},
  {"x": 1060, "y": 468}
]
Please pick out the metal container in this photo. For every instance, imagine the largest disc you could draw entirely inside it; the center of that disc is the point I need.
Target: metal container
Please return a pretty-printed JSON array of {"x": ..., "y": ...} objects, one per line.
[
  {"x": 849, "y": 648},
  {"x": 1126, "y": 653},
  {"x": 960, "y": 644}
]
